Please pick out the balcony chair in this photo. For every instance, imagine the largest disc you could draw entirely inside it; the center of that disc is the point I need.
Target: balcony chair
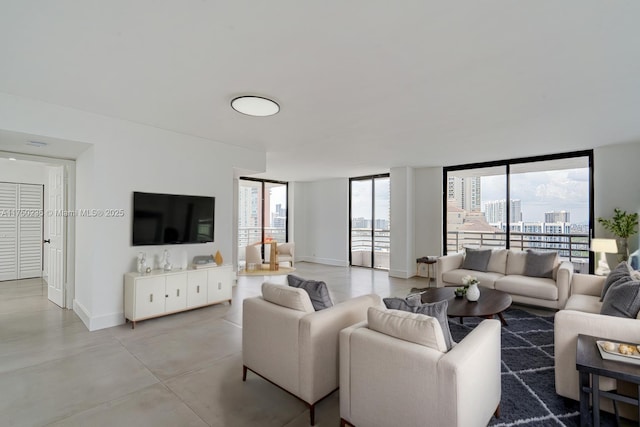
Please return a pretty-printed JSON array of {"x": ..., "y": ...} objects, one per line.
[
  {"x": 285, "y": 252},
  {"x": 294, "y": 347}
]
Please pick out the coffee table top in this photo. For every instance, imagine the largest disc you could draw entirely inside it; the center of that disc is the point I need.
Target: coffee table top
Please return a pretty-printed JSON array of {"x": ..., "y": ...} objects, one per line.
[{"x": 491, "y": 302}]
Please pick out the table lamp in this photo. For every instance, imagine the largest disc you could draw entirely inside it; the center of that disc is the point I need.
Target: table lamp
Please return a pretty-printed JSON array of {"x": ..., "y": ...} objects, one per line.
[{"x": 603, "y": 246}]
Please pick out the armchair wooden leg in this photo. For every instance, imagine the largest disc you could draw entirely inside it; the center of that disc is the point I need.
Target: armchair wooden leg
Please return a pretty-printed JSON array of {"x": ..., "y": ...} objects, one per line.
[
  {"x": 312, "y": 414},
  {"x": 497, "y": 412},
  {"x": 244, "y": 373}
]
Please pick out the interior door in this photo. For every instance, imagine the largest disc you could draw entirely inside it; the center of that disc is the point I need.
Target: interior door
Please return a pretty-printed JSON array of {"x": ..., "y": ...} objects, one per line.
[
  {"x": 56, "y": 237},
  {"x": 30, "y": 231},
  {"x": 8, "y": 231}
]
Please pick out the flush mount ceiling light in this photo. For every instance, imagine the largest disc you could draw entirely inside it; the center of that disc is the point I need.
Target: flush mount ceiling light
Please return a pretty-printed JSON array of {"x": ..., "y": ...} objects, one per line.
[
  {"x": 37, "y": 144},
  {"x": 255, "y": 106}
]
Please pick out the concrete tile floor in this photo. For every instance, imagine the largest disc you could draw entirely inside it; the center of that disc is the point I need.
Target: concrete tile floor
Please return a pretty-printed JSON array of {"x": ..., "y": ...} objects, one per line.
[{"x": 179, "y": 370}]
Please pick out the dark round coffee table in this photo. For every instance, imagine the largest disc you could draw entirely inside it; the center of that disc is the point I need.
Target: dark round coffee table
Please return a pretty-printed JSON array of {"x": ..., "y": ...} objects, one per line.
[{"x": 491, "y": 303}]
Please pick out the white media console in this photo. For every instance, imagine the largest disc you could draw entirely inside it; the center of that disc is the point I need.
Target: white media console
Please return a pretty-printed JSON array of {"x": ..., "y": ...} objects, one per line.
[{"x": 161, "y": 292}]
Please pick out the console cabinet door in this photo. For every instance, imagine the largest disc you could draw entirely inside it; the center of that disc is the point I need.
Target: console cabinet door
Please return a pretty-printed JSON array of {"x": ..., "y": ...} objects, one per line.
[
  {"x": 219, "y": 284},
  {"x": 149, "y": 297},
  {"x": 196, "y": 288},
  {"x": 176, "y": 292}
]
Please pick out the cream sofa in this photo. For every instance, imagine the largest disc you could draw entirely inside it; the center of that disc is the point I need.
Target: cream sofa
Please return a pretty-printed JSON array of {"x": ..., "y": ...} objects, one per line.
[
  {"x": 296, "y": 348},
  {"x": 505, "y": 272},
  {"x": 582, "y": 316},
  {"x": 396, "y": 378}
]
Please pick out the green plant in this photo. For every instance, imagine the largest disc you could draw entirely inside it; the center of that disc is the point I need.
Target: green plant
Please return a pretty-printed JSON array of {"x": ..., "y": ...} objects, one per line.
[{"x": 622, "y": 225}]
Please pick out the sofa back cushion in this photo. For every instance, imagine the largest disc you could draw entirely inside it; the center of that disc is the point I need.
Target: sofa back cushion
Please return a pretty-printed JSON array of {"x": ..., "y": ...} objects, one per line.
[
  {"x": 286, "y": 296},
  {"x": 516, "y": 261},
  {"x": 476, "y": 259},
  {"x": 498, "y": 261},
  {"x": 412, "y": 327}
]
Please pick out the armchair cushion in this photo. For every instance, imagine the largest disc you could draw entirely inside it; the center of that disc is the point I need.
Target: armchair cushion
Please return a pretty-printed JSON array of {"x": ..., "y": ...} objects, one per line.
[
  {"x": 540, "y": 264},
  {"x": 318, "y": 292},
  {"x": 437, "y": 310},
  {"x": 294, "y": 298},
  {"x": 412, "y": 327},
  {"x": 476, "y": 259}
]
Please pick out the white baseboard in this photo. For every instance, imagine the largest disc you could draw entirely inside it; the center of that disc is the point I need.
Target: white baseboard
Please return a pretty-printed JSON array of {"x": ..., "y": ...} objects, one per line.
[
  {"x": 326, "y": 261},
  {"x": 401, "y": 274},
  {"x": 97, "y": 322}
]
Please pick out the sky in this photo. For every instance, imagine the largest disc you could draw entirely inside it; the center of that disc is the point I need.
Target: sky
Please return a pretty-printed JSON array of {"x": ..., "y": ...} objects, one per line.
[{"x": 542, "y": 192}]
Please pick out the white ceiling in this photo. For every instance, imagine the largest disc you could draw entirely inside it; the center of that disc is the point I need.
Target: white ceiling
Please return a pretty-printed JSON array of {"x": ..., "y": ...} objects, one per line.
[{"x": 363, "y": 85}]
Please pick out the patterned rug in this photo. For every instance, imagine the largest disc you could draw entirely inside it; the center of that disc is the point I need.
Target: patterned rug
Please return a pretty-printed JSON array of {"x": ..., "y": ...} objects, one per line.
[{"x": 528, "y": 392}]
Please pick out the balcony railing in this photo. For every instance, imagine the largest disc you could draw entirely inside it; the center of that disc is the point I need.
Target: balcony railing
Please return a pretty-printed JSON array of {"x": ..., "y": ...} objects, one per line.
[
  {"x": 361, "y": 245},
  {"x": 570, "y": 247},
  {"x": 250, "y": 235}
]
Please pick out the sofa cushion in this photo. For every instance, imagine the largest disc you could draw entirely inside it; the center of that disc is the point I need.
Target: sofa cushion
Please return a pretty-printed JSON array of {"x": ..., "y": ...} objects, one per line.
[
  {"x": 622, "y": 271},
  {"x": 584, "y": 303},
  {"x": 498, "y": 261},
  {"x": 486, "y": 279},
  {"x": 540, "y": 263},
  {"x": 412, "y": 327},
  {"x": 438, "y": 310},
  {"x": 317, "y": 291},
  {"x": 476, "y": 259},
  {"x": 516, "y": 261},
  {"x": 534, "y": 287},
  {"x": 622, "y": 299},
  {"x": 286, "y": 296}
]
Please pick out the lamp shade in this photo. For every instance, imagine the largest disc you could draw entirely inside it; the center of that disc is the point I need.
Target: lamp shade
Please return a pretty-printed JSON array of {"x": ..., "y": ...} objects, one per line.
[{"x": 608, "y": 246}]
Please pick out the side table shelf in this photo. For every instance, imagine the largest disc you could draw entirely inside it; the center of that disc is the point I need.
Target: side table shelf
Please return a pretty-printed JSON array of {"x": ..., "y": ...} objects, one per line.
[
  {"x": 160, "y": 293},
  {"x": 590, "y": 365}
]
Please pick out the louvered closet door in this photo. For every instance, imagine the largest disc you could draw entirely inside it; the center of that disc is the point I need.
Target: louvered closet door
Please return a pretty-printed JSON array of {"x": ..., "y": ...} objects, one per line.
[
  {"x": 8, "y": 231},
  {"x": 30, "y": 231}
]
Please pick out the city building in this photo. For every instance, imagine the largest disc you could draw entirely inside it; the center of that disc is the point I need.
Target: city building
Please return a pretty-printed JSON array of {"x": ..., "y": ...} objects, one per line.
[
  {"x": 465, "y": 192},
  {"x": 496, "y": 211},
  {"x": 557, "y": 216}
]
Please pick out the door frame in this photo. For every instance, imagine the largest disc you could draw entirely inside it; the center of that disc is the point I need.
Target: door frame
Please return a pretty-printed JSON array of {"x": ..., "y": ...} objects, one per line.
[{"x": 70, "y": 229}]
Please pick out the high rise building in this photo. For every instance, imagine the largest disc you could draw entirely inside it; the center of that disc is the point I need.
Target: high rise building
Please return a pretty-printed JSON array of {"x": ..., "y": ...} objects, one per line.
[
  {"x": 465, "y": 192},
  {"x": 557, "y": 216},
  {"x": 248, "y": 214},
  {"x": 496, "y": 211}
]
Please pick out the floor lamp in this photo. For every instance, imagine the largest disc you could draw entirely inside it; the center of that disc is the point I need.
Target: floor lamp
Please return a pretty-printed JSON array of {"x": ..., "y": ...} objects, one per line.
[{"x": 603, "y": 247}]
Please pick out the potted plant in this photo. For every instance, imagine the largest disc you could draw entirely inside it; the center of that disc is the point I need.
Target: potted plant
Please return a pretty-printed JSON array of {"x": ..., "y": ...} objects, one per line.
[{"x": 623, "y": 226}]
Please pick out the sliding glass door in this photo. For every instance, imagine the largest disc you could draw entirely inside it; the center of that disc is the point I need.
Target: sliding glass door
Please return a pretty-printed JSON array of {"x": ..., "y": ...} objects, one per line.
[
  {"x": 539, "y": 203},
  {"x": 262, "y": 215},
  {"x": 370, "y": 221}
]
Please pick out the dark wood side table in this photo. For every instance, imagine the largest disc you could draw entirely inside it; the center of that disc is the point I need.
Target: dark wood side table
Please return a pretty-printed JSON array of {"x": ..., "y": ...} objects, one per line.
[{"x": 590, "y": 363}]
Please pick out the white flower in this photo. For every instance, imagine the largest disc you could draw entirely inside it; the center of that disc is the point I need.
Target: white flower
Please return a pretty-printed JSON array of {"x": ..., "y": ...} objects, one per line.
[{"x": 469, "y": 280}]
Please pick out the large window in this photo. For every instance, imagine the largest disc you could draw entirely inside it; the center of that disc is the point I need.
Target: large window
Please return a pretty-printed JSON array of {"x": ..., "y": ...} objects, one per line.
[
  {"x": 370, "y": 224},
  {"x": 540, "y": 203},
  {"x": 262, "y": 214}
]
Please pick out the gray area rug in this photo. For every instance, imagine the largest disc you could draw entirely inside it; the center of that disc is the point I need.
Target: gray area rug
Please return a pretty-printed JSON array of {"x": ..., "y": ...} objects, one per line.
[{"x": 528, "y": 392}]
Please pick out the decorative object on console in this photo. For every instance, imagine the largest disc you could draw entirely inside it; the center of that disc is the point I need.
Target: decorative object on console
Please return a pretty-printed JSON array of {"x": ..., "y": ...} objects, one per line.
[
  {"x": 623, "y": 226},
  {"x": 203, "y": 261},
  {"x": 473, "y": 292},
  {"x": 218, "y": 258},
  {"x": 167, "y": 263},
  {"x": 142, "y": 262},
  {"x": 603, "y": 247}
]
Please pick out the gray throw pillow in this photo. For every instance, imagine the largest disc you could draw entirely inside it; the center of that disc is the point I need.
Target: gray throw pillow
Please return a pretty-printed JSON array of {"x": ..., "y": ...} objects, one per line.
[
  {"x": 539, "y": 264},
  {"x": 438, "y": 310},
  {"x": 318, "y": 292},
  {"x": 476, "y": 259},
  {"x": 622, "y": 299},
  {"x": 620, "y": 272}
]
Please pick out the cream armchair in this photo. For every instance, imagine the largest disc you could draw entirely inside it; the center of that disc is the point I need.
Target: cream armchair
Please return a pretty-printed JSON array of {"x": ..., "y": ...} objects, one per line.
[
  {"x": 296, "y": 348},
  {"x": 389, "y": 381},
  {"x": 285, "y": 252}
]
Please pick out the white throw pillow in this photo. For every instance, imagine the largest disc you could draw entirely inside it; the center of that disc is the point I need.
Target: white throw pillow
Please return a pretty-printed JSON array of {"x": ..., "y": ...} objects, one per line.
[
  {"x": 286, "y": 296},
  {"x": 416, "y": 328}
]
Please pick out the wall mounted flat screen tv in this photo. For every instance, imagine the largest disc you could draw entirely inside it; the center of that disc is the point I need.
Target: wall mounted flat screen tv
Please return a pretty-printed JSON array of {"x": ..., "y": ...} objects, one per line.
[{"x": 168, "y": 219}]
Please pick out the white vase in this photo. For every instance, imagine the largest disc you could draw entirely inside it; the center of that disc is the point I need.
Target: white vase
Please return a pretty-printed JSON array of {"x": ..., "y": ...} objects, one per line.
[{"x": 473, "y": 293}]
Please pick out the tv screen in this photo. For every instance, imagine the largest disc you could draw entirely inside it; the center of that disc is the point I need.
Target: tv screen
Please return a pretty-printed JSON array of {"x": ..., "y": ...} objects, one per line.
[{"x": 167, "y": 219}]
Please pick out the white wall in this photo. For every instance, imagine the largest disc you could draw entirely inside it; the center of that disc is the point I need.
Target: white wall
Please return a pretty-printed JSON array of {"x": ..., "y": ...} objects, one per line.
[
  {"x": 402, "y": 261},
  {"x": 428, "y": 217},
  {"x": 22, "y": 172},
  {"x": 616, "y": 183},
  {"x": 322, "y": 221},
  {"x": 128, "y": 157}
]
